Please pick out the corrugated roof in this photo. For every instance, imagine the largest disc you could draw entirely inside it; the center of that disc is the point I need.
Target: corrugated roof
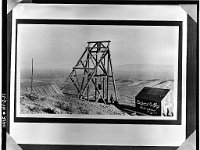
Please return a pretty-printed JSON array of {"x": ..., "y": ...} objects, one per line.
[{"x": 152, "y": 94}]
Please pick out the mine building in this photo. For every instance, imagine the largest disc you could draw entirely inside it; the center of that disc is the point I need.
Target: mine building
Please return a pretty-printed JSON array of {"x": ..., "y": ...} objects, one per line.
[{"x": 155, "y": 101}]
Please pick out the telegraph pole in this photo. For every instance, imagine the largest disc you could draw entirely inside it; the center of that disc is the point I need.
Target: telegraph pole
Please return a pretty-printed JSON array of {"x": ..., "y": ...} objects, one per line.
[{"x": 32, "y": 77}]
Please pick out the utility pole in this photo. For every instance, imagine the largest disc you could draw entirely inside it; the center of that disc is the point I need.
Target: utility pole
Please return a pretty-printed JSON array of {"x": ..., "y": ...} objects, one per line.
[{"x": 32, "y": 77}]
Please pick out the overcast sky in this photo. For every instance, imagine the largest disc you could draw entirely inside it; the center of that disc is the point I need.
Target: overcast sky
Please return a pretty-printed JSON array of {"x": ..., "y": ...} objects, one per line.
[{"x": 60, "y": 46}]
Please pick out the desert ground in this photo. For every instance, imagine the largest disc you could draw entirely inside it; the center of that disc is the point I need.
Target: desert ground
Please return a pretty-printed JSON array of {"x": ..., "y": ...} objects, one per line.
[{"x": 47, "y": 97}]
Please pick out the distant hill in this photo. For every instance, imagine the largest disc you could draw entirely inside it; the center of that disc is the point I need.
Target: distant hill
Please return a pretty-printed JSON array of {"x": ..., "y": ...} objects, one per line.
[
  {"x": 44, "y": 74},
  {"x": 127, "y": 72},
  {"x": 144, "y": 72}
]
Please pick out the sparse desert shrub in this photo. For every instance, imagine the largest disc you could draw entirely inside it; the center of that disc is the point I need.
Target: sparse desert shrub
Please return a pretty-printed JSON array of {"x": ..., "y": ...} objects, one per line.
[
  {"x": 67, "y": 108},
  {"x": 98, "y": 113},
  {"x": 83, "y": 111},
  {"x": 32, "y": 96},
  {"x": 59, "y": 105},
  {"x": 49, "y": 111},
  {"x": 22, "y": 96},
  {"x": 43, "y": 98},
  {"x": 31, "y": 107}
]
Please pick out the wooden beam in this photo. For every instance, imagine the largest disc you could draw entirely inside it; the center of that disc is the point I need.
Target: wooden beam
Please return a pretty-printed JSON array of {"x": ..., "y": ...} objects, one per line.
[
  {"x": 75, "y": 84},
  {"x": 103, "y": 89},
  {"x": 82, "y": 68},
  {"x": 98, "y": 52},
  {"x": 82, "y": 83},
  {"x": 77, "y": 80},
  {"x": 113, "y": 79},
  {"x": 107, "y": 76},
  {"x": 99, "y": 41},
  {"x": 96, "y": 59},
  {"x": 104, "y": 63}
]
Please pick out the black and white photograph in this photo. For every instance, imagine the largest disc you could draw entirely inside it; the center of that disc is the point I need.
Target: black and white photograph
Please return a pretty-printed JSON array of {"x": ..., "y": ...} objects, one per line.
[
  {"x": 98, "y": 76},
  {"x": 103, "y": 71}
]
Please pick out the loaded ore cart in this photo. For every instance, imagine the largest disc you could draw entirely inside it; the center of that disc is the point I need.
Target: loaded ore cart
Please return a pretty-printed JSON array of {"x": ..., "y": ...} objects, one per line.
[{"x": 92, "y": 77}]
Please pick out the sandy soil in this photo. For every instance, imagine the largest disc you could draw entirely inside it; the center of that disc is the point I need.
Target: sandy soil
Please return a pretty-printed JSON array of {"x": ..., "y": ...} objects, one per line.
[
  {"x": 51, "y": 100},
  {"x": 65, "y": 105}
]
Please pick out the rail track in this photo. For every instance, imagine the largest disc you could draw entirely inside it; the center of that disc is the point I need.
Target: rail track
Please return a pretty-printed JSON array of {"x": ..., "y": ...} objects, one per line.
[{"x": 130, "y": 110}]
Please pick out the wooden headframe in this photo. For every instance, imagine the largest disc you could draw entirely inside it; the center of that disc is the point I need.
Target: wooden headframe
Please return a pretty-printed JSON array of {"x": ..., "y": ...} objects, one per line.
[{"x": 94, "y": 68}]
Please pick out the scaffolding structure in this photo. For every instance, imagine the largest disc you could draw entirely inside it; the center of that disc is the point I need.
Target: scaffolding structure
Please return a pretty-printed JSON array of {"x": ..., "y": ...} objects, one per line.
[{"x": 94, "y": 69}]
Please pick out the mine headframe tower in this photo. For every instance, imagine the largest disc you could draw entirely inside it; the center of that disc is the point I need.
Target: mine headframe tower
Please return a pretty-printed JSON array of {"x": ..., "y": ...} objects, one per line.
[{"x": 92, "y": 75}]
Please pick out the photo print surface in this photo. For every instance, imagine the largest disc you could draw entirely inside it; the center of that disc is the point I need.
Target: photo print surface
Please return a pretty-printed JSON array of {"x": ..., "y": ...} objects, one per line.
[{"x": 97, "y": 71}]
